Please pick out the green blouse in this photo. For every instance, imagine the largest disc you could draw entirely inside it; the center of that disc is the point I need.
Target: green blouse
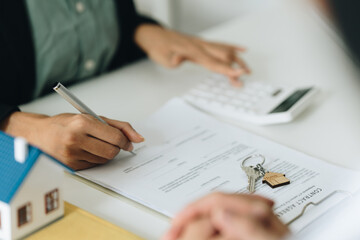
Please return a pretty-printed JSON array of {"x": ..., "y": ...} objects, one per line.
[{"x": 74, "y": 39}]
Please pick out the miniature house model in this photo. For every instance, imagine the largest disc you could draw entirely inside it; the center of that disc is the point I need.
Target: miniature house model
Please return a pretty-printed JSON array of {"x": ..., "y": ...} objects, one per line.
[{"x": 30, "y": 191}]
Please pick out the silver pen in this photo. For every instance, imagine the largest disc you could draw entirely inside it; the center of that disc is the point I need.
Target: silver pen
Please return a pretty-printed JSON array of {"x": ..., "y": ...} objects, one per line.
[{"x": 79, "y": 105}]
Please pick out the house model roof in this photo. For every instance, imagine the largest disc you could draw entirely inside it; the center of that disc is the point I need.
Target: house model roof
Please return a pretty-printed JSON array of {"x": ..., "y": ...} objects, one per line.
[{"x": 13, "y": 173}]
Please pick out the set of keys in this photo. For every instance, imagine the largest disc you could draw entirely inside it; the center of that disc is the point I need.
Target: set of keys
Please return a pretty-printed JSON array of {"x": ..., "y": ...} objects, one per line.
[{"x": 254, "y": 173}]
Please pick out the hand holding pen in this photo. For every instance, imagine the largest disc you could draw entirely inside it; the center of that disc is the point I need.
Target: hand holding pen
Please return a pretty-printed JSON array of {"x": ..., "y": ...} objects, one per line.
[{"x": 90, "y": 140}]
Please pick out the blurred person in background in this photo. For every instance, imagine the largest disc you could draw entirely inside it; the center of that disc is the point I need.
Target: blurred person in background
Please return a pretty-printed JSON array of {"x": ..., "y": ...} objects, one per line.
[
  {"x": 220, "y": 216},
  {"x": 44, "y": 42}
]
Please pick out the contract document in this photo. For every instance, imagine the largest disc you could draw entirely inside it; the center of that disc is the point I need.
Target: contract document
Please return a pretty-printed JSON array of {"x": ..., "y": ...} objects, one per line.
[{"x": 188, "y": 154}]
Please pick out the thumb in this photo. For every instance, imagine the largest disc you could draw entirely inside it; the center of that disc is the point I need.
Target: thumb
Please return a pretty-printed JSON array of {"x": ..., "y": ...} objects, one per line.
[{"x": 176, "y": 60}]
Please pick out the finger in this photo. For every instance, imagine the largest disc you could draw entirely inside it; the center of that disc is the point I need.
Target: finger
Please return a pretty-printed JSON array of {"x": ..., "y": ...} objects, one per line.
[
  {"x": 106, "y": 133},
  {"x": 98, "y": 148},
  {"x": 239, "y": 203},
  {"x": 242, "y": 64},
  {"x": 263, "y": 218},
  {"x": 224, "y": 45},
  {"x": 196, "y": 53},
  {"x": 176, "y": 60},
  {"x": 235, "y": 82},
  {"x": 233, "y": 226},
  {"x": 127, "y": 129},
  {"x": 79, "y": 164},
  {"x": 91, "y": 158},
  {"x": 227, "y": 53},
  {"x": 214, "y": 64},
  {"x": 200, "y": 229},
  {"x": 74, "y": 155}
]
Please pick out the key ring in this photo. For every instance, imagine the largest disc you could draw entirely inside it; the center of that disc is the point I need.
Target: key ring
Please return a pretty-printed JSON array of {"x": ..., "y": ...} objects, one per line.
[{"x": 253, "y": 156}]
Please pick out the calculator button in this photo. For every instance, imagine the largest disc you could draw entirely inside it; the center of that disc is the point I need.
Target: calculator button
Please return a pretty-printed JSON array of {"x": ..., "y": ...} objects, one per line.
[
  {"x": 248, "y": 104},
  {"x": 236, "y": 102},
  {"x": 199, "y": 93},
  {"x": 223, "y": 85},
  {"x": 202, "y": 101},
  {"x": 230, "y": 93},
  {"x": 222, "y": 98},
  {"x": 257, "y": 85},
  {"x": 262, "y": 94},
  {"x": 250, "y": 111},
  {"x": 229, "y": 107},
  {"x": 240, "y": 110},
  {"x": 253, "y": 99},
  {"x": 216, "y": 104},
  {"x": 211, "y": 83},
  {"x": 250, "y": 91},
  {"x": 204, "y": 87},
  {"x": 268, "y": 89},
  {"x": 191, "y": 98},
  {"x": 276, "y": 92},
  {"x": 215, "y": 90},
  {"x": 242, "y": 97}
]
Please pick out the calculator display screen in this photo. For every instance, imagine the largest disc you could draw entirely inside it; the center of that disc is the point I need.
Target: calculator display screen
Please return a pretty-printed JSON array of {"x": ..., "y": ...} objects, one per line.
[{"x": 290, "y": 101}]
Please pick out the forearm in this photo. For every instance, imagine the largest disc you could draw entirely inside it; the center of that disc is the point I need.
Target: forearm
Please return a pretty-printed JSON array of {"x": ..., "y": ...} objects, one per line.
[
  {"x": 145, "y": 35},
  {"x": 22, "y": 124}
]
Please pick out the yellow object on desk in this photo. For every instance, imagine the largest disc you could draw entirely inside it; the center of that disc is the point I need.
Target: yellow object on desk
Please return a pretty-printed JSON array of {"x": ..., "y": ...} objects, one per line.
[{"x": 78, "y": 224}]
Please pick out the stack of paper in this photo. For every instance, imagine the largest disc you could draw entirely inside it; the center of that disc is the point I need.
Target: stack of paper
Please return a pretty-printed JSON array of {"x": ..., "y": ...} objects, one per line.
[{"x": 189, "y": 154}]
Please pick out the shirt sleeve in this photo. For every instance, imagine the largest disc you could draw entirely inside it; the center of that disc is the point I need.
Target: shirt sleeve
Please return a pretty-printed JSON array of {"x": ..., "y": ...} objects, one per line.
[
  {"x": 6, "y": 110},
  {"x": 128, "y": 21},
  {"x": 8, "y": 81},
  {"x": 16, "y": 57}
]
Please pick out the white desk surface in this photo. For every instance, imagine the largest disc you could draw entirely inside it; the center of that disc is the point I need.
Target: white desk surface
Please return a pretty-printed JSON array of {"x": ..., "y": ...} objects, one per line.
[{"x": 292, "y": 51}]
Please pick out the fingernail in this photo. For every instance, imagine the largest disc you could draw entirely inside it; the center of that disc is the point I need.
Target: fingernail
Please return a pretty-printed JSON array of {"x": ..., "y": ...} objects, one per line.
[
  {"x": 140, "y": 136},
  {"x": 239, "y": 71},
  {"x": 237, "y": 83}
]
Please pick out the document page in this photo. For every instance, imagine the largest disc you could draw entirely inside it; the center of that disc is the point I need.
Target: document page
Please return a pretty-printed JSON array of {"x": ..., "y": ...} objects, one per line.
[{"x": 188, "y": 154}]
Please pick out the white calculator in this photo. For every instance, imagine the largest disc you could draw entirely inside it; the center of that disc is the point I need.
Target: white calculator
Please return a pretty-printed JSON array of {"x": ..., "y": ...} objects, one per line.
[{"x": 256, "y": 102}]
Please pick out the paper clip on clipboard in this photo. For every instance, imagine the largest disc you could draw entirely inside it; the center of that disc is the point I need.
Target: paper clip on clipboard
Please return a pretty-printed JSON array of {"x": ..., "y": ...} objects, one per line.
[{"x": 349, "y": 194}]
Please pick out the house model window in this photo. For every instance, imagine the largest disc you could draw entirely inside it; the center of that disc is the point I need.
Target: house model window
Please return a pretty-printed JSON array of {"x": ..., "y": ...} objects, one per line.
[
  {"x": 24, "y": 214},
  {"x": 51, "y": 201}
]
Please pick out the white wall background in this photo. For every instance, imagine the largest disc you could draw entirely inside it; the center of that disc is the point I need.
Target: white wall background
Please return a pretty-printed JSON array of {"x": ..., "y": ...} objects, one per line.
[{"x": 193, "y": 16}]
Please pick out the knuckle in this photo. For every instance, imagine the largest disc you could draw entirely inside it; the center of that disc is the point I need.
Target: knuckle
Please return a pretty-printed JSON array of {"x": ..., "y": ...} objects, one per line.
[
  {"x": 70, "y": 139},
  {"x": 103, "y": 160},
  {"x": 119, "y": 140},
  {"x": 80, "y": 121},
  {"x": 127, "y": 124}
]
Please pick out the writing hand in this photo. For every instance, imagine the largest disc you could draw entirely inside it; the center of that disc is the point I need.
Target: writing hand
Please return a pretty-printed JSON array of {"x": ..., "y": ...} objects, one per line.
[{"x": 78, "y": 140}]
